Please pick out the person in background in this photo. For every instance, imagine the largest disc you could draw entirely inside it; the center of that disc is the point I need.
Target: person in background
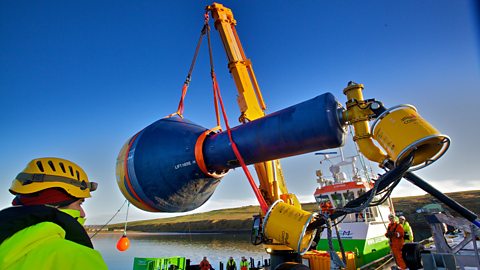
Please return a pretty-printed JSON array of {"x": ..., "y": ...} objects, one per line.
[
  {"x": 231, "y": 264},
  {"x": 44, "y": 229},
  {"x": 395, "y": 235},
  {"x": 327, "y": 207},
  {"x": 407, "y": 229},
  {"x": 205, "y": 264},
  {"x": 244, "y": 264}
]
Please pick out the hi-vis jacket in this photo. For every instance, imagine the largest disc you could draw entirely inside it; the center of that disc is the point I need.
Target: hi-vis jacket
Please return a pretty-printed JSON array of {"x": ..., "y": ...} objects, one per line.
[
  {"x": 42, "y": 237},
  {"x": 408, "y": 232}
]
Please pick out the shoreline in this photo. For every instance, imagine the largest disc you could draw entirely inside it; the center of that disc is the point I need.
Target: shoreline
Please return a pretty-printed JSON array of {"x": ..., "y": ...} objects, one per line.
[{"x": 167, "y": 233}]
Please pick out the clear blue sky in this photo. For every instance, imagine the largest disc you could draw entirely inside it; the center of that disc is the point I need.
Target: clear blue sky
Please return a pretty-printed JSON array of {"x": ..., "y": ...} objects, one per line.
[{"x": 78, "y": 78}]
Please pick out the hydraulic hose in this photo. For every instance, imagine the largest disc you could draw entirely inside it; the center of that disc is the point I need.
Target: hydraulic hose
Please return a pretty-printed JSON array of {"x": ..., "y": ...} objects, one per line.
[
  {"x": 383, "y": 182},
  {"x": 464, "y": 212},
  {"x": 393, "y": 177}
]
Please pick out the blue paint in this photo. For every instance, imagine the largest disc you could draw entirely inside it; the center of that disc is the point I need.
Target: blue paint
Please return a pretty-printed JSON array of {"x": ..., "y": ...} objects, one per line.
[
  {"x": 161, "y": 162},
  {"x": 154, "y": 172},
  {"x": 306, "y": 127},
  {"x": 477, "y": 223}
]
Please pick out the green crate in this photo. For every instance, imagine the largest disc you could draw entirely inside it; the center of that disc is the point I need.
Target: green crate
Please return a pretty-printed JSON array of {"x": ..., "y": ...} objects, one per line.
[{"x": 170, "y": 263}]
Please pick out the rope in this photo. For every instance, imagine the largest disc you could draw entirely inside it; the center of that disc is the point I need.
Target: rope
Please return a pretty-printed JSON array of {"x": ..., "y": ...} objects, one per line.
[
  {"x": 216, "y": 91},
  {"x": 126, "y": 220},
  {"x": 180, "y": 108},
  {"x": 218, "y": 99},
  {"x": 340, "y": 244},
  {"x": 114, "y": 215},
  {"x": 334, "y": 258}
]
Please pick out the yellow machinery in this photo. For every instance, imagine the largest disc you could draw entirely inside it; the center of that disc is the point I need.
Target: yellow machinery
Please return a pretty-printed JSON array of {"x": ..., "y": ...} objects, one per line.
[
  {"x": 252, "y": 106},
  {"x": 250, "y": 101},
  {"x": 422, "y": 138},
  {"x": 174, "y": 165}
]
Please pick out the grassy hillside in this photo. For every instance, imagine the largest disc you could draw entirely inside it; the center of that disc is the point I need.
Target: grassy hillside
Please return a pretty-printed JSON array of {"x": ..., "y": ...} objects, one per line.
[
  {"x": 233, "y": 219},
  {"x": 240, "y": 219},
  {"x": 421, "y": 230}
]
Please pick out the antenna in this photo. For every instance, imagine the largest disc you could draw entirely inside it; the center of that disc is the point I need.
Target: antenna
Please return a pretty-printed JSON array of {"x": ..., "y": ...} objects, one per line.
[{"x": 325, "y": 153}]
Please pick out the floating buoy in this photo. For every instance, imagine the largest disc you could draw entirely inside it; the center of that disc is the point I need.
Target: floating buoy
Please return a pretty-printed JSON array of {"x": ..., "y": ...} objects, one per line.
[{"x": 123, "y": 243}]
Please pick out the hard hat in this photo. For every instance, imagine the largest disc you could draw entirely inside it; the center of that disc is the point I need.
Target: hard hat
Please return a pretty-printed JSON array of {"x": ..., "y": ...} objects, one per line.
[
  {"x": 391, "y": 216},
  {"x": 401, "y": 217},
  {"x": 44, "y": 173}
]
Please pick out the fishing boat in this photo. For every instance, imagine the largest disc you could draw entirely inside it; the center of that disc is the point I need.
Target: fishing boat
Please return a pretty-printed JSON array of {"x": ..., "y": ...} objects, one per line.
[{"x": 361, "y": 233}]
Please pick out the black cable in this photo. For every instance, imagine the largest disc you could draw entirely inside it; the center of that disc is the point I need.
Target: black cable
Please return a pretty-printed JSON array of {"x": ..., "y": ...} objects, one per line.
[{"x": 383, "y": 185}]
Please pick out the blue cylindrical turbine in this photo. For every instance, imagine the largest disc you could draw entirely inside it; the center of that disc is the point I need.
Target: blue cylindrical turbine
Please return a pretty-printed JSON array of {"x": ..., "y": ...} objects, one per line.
[{"x": 174, "y": 165}]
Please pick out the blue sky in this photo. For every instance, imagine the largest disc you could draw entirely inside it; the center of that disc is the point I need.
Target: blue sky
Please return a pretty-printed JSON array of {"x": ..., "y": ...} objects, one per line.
[{"x": 78, "y": 78}]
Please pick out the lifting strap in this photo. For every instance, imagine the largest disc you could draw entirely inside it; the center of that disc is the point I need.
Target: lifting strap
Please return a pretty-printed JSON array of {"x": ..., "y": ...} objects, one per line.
[
  {"x": 218, "y": 100},
  {"x": 180, "y": 108}
]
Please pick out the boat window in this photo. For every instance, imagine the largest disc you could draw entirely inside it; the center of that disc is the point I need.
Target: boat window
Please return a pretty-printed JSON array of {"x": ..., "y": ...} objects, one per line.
[
  {"x": 337, "y": 200},
  {"x": 322, "y": 198},
  {"x": 349, "y": 196}
]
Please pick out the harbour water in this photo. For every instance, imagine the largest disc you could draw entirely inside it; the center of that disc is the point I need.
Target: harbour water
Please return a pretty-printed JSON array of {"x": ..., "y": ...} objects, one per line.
[{"x": 216, "y": 247}]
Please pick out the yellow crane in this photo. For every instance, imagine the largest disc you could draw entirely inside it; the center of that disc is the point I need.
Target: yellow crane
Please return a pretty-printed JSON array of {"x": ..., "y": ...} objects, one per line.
[
  {"x": 174, "y": 165},
  {"x": 250, "y": 101},
  {"x": 358, "y": 113}
]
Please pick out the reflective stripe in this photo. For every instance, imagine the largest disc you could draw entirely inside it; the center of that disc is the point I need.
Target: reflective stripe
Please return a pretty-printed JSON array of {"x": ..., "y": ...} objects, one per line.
[{"x": 28, "y": 178}]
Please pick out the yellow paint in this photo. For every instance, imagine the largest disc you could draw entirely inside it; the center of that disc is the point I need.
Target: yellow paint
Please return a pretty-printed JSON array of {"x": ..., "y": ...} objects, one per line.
[
  {"x": 358, "y": 114},
  {"x": 320, "y": 260},
  {"x": 401, "y": 130},
  {"x": 287, "y": 224},
  {"x": 250, "y": 101}
]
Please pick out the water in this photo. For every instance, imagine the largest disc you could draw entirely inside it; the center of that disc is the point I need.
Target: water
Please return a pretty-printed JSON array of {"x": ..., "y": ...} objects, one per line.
[{"x": 217, "y": 247}]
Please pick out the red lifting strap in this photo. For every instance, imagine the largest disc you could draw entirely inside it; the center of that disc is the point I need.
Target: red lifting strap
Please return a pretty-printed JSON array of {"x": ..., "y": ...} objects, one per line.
[
  {"x": 199, "y": 152},
  {"x": 217, "y": 99},
  {"x": 217, "y": 96},
  {"x": 180, "y": 108},
  {"x": 258, "y": 194}
]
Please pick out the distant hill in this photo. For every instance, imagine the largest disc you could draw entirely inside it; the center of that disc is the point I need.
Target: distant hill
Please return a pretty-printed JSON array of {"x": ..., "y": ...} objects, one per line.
[
  {"x": 240, "y": 219},
  {"x": 409, "y": 205},
  {"x": 223, "y": 220}
]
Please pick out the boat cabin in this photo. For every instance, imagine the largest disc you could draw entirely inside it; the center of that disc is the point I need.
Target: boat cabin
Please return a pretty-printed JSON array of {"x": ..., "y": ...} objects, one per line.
[{"x": 330, "y": 197}]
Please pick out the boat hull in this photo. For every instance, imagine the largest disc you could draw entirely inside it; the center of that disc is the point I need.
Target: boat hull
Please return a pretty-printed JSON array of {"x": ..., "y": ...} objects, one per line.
[{"x": 364, "y": 239}]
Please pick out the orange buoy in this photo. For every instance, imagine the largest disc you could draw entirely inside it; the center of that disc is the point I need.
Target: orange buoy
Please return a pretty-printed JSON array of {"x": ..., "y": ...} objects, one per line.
[{"x": 123, "y": 243}]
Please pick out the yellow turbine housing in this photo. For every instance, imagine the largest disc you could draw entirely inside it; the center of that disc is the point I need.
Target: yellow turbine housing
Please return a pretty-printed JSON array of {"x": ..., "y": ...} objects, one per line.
[{"x": 400, "y": 130}]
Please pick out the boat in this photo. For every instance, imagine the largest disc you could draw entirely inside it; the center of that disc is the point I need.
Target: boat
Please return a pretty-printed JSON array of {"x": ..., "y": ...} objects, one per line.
[{"x": 360, "y": 233}]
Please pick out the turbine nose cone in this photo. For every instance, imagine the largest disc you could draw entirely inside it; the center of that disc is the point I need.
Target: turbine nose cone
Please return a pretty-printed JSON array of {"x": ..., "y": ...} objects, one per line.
[{"x": 157, "y": 171}]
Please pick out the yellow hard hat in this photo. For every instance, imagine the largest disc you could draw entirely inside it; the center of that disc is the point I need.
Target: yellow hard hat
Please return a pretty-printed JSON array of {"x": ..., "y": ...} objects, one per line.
[{"x": 43, "y": 173}]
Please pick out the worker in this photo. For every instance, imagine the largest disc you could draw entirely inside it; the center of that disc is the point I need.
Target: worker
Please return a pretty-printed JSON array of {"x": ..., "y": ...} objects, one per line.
[
  {"x": 244, "y": 264},
  {"x": 407, "y": 229},
  {"x": 205, "y": 264},
  {"x": 45, "y": 228},
  {"x": 395, "y": 235},
  {"x": 231, "y": 264},
  {"x": 359, "y": 215},
  {"x": 327, "y": 207}
]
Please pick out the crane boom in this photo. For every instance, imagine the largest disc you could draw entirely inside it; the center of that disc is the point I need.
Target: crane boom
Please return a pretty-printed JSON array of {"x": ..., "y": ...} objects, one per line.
[{"x": 250, "y": 101}]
